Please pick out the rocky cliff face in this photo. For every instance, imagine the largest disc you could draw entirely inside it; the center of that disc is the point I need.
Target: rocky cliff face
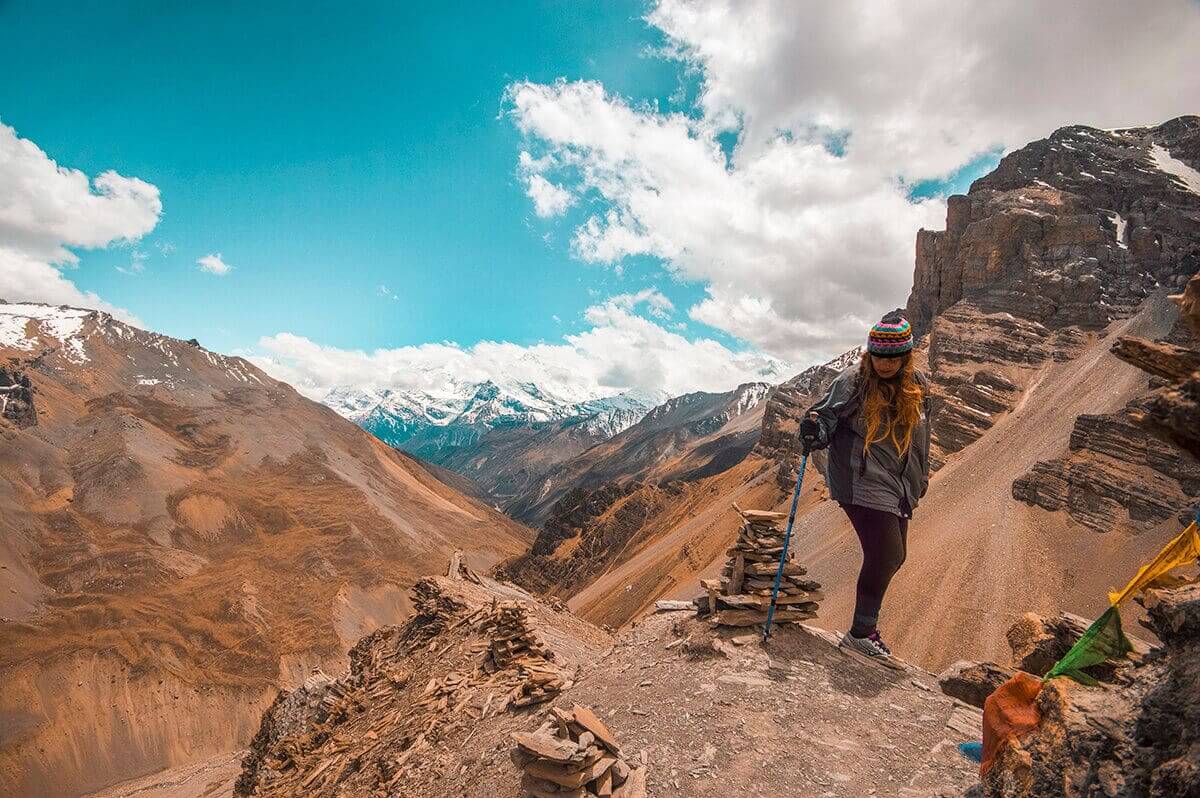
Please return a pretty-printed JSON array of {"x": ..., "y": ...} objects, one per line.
[
  {"x": 16, "y": 397},
  {"x": 1067, "y": 235},
  {"x": 1075, "y": 229}
]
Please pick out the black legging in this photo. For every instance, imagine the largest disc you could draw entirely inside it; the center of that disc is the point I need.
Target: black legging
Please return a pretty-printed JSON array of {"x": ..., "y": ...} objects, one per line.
[{"x": 884, "y": 539}]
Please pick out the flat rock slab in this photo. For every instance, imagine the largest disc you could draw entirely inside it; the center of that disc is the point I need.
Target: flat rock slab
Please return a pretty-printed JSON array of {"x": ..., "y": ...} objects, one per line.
[
  {"x": 547, "y": 746},
  {"x": 747, "y": 679},
  {"x": 590, "y": 721}
]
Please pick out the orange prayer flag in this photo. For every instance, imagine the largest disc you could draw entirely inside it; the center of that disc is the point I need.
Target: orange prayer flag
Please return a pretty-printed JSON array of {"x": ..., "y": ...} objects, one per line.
[{"x": 1010, "y": 711}]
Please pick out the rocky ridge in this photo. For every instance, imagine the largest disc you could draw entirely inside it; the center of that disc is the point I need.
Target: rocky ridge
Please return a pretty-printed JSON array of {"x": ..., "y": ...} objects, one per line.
[
  {"x": 423, "y": 711},
  {"x": 686, "y": 437}
]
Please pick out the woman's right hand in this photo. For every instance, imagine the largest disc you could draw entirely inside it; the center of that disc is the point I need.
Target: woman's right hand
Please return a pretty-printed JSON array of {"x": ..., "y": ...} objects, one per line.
[{"x": 811, "y": 434}]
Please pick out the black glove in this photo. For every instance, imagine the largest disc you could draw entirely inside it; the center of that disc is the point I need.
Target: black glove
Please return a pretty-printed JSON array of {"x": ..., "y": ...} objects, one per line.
[{"x": 811, "y": 435}]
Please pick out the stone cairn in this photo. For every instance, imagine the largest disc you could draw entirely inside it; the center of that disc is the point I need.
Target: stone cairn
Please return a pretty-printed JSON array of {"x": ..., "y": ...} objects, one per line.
[
  {"x": 742, "y": 596},
  {"x": 574, "y": 755},
  {"x": 514, "y": 643}
]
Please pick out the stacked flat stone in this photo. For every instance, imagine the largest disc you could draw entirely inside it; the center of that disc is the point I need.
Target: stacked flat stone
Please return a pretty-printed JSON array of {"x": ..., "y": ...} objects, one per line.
[
  {"x": 513, "y": 642},
  {"x": 742, "y": 596},
  {"x": 574, "y": 755}
]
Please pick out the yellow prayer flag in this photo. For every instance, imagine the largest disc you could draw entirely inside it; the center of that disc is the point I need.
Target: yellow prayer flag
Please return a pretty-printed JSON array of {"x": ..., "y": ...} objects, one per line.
[{"x": 1182, "y": 550}]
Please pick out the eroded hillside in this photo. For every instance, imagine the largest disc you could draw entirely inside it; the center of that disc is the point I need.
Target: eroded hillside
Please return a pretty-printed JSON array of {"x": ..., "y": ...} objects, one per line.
[{"x": 179, "y": 535}]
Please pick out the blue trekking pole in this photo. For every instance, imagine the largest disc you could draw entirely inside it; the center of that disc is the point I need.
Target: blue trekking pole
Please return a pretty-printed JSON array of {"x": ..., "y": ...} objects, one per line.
[{"x": 787, "y": 541}]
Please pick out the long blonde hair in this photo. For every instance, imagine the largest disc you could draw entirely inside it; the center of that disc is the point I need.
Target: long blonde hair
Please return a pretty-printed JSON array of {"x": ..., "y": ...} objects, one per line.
[{"x": 891, "y": 408}]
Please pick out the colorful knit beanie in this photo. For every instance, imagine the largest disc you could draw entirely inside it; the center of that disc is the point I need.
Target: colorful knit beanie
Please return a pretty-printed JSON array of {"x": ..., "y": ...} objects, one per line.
[{"x": 891, "y": 337}]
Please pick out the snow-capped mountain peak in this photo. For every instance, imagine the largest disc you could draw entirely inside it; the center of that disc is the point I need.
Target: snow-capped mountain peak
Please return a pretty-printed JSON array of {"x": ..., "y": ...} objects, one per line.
[{"x": 461, "y": 412}]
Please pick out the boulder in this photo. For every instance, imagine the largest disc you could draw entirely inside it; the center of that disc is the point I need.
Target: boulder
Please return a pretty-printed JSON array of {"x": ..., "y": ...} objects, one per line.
[
  {"x": 16, "y": 398},
  {"x": 1037, "y": 643},
  {"x": 1140, "y": 737},
  {"x": 1189, "y": 304},
  {"x": 973, "y": 682}
]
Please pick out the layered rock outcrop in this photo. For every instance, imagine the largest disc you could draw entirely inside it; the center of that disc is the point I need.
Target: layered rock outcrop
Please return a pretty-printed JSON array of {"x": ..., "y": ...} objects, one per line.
[
  {"x": 1067, "y": 235},
  {"x": 16, "y": 398},
  {"x": 1138, "y": 467},
  {"x": 1075, "y": 229}
]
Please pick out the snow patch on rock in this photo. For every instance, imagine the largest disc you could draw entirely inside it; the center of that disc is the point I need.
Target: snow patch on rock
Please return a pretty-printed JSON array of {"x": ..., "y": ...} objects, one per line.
[
  {"x": 62, "y": 323},
  {"x": 1182, "y": 175}
]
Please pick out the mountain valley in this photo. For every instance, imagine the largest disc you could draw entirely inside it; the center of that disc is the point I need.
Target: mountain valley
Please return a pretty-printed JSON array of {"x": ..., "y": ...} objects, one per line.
[{"x": 197, "y": 559}]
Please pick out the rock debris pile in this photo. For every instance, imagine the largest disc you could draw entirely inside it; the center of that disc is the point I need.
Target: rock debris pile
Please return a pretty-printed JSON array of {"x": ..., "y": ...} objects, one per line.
[
  {"x": 742, "y": 596},
  {"x": 394, "y": 724},
  {"x": 574, "y": 755},
  {"x": 515, "y": 644}
]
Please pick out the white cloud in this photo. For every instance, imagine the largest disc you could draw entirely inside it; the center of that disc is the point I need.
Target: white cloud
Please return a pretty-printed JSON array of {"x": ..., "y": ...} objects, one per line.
[
  {"x": 657, "y": 304},
  {"x": 548, "y": 199},
  {"x": 801, "y": 243},
  {"x": 136, "y": 265},
  {"x": 619, "y": 351},
  {"x": 24, "y": 278},
  {"x": 47, "y": 209},
  {"x": 213, "y": 264}
]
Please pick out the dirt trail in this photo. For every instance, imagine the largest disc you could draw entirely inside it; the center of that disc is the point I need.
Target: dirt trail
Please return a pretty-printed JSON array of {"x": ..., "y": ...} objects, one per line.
[{"x": 977, "y": 558}]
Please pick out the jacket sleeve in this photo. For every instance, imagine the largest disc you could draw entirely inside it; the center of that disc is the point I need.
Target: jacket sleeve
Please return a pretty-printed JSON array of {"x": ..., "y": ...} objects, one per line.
[{"x": 837, "y": 403}]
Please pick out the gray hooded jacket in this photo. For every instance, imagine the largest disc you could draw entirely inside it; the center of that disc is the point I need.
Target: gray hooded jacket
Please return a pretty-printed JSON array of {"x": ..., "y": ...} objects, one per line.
[{"x": 880, "y": 478}]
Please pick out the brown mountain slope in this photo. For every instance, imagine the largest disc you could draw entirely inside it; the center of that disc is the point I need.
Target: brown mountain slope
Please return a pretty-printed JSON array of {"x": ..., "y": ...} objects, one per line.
[
  {"x": 686, "y": 437},
  {"x": 978, "y": 558},
  {"x": 684, "y": 460},
  {"x": 613, "y": 550},
  {"x": 179, "y": 534}
]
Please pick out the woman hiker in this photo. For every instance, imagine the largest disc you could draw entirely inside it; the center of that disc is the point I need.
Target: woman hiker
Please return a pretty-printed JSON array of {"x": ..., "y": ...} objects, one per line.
[{"x": 875, "y": 421}]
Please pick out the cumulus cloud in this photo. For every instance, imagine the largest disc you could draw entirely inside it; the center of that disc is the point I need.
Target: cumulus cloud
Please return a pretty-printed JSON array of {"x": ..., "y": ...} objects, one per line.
[
  {"x": 620, "y": 351},
  {"x": 214, "y": 264},
  {"x": 806, "y": 233},
  {"x": 548, "y": 199},
  {"x": 47, "y": 209}
]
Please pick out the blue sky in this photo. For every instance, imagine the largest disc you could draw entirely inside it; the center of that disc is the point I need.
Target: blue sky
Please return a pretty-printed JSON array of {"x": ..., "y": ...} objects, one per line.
[
  {"x": 323, "y": 155},
  {"x": 724, "y": 191}
]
